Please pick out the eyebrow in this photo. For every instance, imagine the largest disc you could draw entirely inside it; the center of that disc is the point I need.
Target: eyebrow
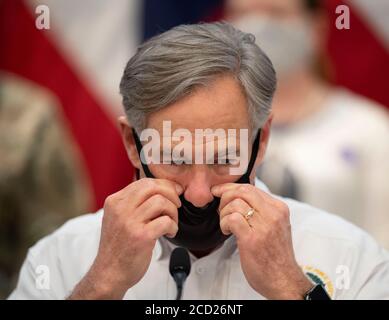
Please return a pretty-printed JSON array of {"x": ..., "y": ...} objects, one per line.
[{"x": 217, "y": 153}]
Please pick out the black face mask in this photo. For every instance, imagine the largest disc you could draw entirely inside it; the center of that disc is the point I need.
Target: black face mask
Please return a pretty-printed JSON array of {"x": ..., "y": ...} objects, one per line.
[{"x": 199, "y": 228}]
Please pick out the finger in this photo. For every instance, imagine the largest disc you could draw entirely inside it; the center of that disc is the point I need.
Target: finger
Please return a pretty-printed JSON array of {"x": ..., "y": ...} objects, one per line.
[
  {"x": 161, "y": 226},
  {"x": 218, "y": 190},
  {"x": 147, "y": 187},
  {"x": 241, "y": 206},
  {"x": 245, "y": 192},
  {"x": 235, "y": 223},
  {"x": 236, "y": 205},
  {"x": 156, "y": 206}
]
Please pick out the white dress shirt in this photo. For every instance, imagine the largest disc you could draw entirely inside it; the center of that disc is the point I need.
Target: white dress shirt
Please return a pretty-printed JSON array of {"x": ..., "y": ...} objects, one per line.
[{"x": 329, "y": 249}]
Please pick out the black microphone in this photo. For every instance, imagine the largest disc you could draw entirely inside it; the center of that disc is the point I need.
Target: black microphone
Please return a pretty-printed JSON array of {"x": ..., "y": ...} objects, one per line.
[{"x": 179, "y": 268}]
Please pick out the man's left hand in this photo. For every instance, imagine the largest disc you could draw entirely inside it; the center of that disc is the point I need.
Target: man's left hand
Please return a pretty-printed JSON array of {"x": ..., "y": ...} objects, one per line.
[{"x": 264, "y": 240}]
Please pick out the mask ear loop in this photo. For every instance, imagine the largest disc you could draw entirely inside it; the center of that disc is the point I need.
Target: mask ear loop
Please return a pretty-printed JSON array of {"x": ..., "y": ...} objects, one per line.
[
  {"x": 254, "y": 151},
  {"x": 246, "y": 175},
  {"x": 142, "y": 158}
]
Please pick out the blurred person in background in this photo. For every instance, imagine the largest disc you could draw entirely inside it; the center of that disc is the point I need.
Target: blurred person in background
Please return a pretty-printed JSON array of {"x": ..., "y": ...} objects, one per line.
[
  {"x": 329, "y": 147},
  {"x": 41, "y": 184}
]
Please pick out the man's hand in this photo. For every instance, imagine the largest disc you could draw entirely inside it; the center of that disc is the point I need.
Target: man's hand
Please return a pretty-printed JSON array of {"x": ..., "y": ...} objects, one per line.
[
  {"x": 134, "y": 218},
  {"x": 264, "y": 240}
]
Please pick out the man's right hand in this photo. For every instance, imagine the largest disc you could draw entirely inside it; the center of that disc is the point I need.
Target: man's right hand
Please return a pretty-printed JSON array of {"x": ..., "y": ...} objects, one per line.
[{"x": 134, "y": 218}]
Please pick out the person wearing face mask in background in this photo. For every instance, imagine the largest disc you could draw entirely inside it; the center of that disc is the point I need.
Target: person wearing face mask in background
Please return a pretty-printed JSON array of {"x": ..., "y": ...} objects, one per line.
[{"x": 346, "y": 173}]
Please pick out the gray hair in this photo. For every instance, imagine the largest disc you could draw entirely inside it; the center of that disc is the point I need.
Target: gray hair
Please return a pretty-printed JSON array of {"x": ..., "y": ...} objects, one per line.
[{"x": 171, "y": 65}]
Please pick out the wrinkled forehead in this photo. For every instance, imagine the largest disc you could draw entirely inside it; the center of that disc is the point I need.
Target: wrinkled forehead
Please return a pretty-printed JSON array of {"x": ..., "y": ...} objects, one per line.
[
  {"x": 219, "y": 106},
  {"x": 210, "y": 139}
]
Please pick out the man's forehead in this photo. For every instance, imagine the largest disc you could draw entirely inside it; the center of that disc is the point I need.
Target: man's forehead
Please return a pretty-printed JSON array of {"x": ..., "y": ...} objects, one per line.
[
  {"x": 221, "y": 104},
  {"x": 170, "y": 128},
  {"x": 201, "y": 136}
]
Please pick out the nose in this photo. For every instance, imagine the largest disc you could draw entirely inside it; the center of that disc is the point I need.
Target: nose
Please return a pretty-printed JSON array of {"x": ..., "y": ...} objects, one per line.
[{"x": 198, "y": 186}]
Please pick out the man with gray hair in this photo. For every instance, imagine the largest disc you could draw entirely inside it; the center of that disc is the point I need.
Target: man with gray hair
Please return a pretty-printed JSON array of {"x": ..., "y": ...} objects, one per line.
[{"x": 244, "y": 243}]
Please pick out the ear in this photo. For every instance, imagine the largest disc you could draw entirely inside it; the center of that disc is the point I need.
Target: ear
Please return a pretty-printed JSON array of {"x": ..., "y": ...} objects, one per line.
[
  {"x": 128, "y": 141},
  {"x": 265, "y": 135}
]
